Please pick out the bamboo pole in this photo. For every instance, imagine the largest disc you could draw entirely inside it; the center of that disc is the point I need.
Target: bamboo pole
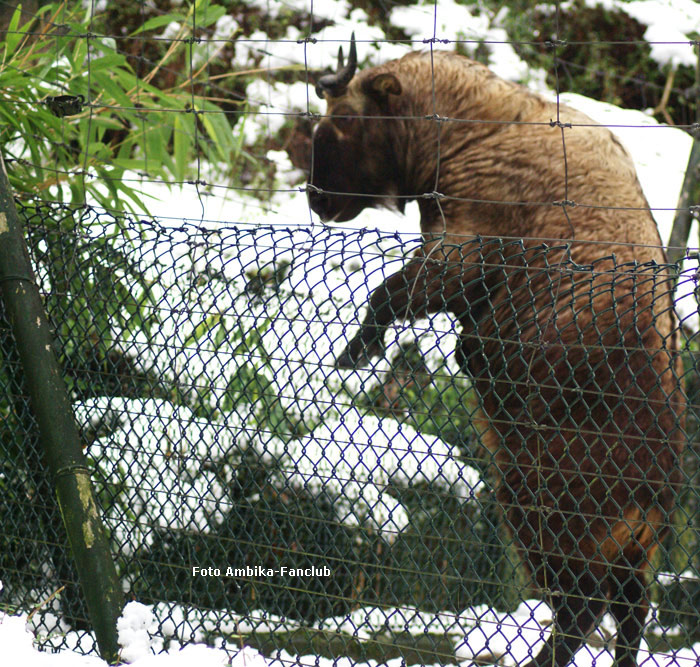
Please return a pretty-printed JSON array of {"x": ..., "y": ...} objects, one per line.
[{"x": 58, "y": 432}]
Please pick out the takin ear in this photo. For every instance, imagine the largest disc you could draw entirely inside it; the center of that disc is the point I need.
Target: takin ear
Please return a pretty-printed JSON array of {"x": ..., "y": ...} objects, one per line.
[{"x": 382, "y": 85}]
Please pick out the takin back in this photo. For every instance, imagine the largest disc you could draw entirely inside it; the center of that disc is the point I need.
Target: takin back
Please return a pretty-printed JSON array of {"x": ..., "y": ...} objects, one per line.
[{"x": 539, "y": 240}]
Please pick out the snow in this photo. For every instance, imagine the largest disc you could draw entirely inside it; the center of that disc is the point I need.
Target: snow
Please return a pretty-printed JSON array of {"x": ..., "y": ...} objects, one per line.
[
  {"x": 136, "y": 630},
  {"x": 476, "y": 632},
  {"x": 168, "y": 450},
  {"x": 450, "y": 22},
  {"x": 354, "y": 459},
  {"x": 670, "y": 27},
  {"x": 137, "y": 642}
]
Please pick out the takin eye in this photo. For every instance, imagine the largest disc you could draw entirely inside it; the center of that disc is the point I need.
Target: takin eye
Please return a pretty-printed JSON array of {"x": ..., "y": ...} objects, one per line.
[{"x": 344, "y": 118}]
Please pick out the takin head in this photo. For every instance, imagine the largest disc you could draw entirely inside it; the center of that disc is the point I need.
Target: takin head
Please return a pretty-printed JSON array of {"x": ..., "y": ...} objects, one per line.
[{"x": 353, "y": 156}]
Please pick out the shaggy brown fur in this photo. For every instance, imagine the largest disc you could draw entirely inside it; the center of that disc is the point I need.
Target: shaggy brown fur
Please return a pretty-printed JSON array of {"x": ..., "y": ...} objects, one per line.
[{"x": 573, "y": 345}]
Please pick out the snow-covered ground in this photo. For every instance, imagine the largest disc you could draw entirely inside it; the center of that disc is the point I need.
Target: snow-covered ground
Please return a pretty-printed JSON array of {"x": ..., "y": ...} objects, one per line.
[
  {"x": 319, "y": 462},
  {"x": 475, "y": 634}
]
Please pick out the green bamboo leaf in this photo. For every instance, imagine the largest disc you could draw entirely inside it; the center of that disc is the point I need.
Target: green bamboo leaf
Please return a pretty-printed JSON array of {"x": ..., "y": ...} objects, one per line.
[
  {"x": 222, "y": 334},
  {"x": 159, "y": 22},
  {"x": 103, "y": 122},
  {"x": 136, "y": 164},
  {"x": 6, "y": 112},
  {"x": 238, "y": 151},
  {"x": 157, "y": 143},
  {"x": 203, "y": 329},
  {"x": 163, "y": 98},
  {"x": 113, "y": 92},
  {"x": 79, "y": 53},
  {"x": 11, "y": 37},
  {"x": 202, "y": 14},
  {"x": 98, "y": 151},
  {"x": 218, "y": 129},
  {"x": 109, "y": 60},
  {"x": 211, "y": 15},
  {"x": 183, "y": 139},
  {"x": 14, "y": 34}
]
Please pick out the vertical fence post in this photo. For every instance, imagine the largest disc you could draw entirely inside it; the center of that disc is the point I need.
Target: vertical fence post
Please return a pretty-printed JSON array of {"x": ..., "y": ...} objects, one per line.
[
  {"x": 57, "y": 429},
  {"x": 690, "y": 195}
]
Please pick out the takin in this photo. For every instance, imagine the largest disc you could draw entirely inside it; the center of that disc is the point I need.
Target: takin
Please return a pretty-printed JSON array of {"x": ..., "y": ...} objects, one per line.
[{"x": 538, "y": 239}]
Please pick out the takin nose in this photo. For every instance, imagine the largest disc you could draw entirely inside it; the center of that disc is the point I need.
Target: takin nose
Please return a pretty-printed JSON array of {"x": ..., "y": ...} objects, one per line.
[{"x": 320, "y": 203}]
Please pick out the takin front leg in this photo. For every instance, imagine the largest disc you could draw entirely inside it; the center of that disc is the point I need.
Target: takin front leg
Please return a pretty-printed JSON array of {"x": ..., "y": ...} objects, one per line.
[
  {"x": 629, "y": 606},
  {"x": 576, "y": 612},
  {"x": 425, "y": 285}
]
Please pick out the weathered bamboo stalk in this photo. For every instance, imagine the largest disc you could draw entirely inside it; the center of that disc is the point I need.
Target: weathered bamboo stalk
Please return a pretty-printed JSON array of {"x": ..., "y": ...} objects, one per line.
[{"x": 57, "y": 429}]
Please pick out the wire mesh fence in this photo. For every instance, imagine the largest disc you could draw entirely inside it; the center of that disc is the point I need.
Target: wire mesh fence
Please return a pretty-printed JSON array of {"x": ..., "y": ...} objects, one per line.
[
  {"x": 281, "y": 461},
  {"x": 253, "y": 489}
]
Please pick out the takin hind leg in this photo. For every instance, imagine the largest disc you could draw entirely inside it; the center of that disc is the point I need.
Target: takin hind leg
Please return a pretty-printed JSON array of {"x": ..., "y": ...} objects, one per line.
[
  {"x": 629, "y": 605},
  {"x": 576, "y": 612}
]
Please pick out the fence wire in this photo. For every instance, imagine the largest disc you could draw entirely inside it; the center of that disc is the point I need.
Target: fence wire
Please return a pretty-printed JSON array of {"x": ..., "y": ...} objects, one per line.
[
  {"x": 267, "y": 475},
  {"x": 253, "y": 490}
]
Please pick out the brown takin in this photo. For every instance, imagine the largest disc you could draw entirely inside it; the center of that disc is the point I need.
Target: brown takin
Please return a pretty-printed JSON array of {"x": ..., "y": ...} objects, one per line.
[{"x": 538, "y": 239}]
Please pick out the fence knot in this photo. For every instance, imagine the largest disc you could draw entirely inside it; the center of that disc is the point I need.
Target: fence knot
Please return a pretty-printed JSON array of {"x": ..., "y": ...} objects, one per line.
[
  {"x": 554, "y": 43},
  {"x": 310, "y": 114},
  {"x": 554, "y": 593},
  {"x": 564, "y": 203},
  {"x": 436, "y": 117},
  {"x": 558, "y": 123},
  {"x": 436, "y": 40},
  {"x": 307, "y": 40},
  {"x": 433, "y": 195}
]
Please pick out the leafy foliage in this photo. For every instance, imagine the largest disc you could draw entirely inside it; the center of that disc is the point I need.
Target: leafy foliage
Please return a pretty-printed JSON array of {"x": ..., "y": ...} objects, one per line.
[{"x": 121, "y": 126}]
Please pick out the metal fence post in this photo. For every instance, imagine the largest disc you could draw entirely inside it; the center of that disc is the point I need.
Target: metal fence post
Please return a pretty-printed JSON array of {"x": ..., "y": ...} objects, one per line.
[{"x": 57, "y": 428}]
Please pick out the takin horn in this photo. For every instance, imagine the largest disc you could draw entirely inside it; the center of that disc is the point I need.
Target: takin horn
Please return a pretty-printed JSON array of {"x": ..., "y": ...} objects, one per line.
[{"x": 335, "y": 84}]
